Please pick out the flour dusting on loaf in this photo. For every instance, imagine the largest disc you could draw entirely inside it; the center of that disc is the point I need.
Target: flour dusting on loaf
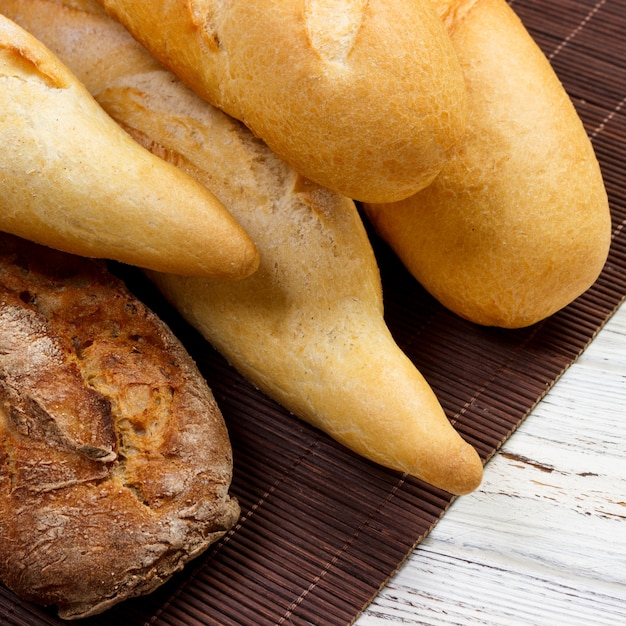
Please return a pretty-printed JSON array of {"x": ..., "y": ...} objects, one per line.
[{"x": 115, "y": 462}]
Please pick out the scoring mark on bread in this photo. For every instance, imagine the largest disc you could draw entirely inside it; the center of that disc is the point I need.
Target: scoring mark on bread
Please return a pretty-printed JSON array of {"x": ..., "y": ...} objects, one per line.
[
  {"x": 205, "y": 14},
  {"x": 22, "y": 63},
  {"x": 333, "y": 26},
  {"x": 30, "y": 395},
  {"x": 453, "y": 12}
]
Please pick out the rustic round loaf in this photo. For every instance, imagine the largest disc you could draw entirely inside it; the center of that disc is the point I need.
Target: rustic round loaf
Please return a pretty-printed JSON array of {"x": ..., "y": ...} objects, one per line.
[{"x": 115, "y": 462}]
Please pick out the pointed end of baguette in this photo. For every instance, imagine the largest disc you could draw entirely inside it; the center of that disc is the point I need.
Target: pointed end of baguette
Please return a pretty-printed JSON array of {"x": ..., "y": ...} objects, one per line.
[{"x": 462, "y": 472}]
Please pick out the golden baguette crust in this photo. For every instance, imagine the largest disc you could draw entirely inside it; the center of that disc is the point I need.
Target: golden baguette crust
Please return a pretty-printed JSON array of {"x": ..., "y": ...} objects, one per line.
[
  {"x": 364, "y": 97},
  {"x": 308, "y": 327},
  {"x": 517, "y": 225},
  {"x": 115, "y": 463},
  {"x": 73, "y": 180}
]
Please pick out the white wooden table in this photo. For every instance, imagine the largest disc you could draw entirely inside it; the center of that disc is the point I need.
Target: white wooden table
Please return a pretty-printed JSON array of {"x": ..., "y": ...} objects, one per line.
[{"x": 543, "y": 540}]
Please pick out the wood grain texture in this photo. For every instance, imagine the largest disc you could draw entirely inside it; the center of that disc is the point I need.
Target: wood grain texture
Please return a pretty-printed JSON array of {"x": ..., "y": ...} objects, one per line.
[{"x": 543, "y": 541}]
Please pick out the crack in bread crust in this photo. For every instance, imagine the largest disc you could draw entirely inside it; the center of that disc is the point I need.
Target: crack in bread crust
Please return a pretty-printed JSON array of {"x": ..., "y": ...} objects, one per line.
[{"x": 85, "y": 369}]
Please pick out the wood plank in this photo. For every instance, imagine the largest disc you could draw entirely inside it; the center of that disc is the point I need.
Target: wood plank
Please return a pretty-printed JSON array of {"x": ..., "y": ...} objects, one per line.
[{"x": 543, "y": 540}]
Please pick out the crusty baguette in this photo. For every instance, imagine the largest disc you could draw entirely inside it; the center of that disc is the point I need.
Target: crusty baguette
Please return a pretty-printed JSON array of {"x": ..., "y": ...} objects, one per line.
[
  {"x": 517, "y": 225},
  {"x": 115, "y": 462},
  {"x": 308, "y": 327},
  {"x": 72, "y": 179},
  {"x": 362, "y": 97}
]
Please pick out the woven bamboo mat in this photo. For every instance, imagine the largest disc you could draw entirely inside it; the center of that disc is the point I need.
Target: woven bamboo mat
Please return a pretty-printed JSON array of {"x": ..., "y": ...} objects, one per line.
[{"x": 321, "y": 529}]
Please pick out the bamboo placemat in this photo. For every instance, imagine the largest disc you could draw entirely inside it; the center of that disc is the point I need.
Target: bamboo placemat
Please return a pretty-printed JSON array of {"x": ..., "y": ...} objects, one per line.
[{"x": 321, "y": 529}]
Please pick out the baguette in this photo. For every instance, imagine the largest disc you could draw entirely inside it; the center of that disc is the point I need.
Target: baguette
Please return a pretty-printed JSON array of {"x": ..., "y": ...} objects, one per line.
[
  {"x": 307, "y": 328},
  {"x": 115, "y": 462},
  {"x": 362, "y": 97},
  {"x": 517, "y": 225},
  {"x": 73, "y": 180}
]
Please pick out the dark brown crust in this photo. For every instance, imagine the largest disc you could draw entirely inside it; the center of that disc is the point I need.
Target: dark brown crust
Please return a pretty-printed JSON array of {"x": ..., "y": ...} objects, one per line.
[{"x": 115, "y": 462}]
